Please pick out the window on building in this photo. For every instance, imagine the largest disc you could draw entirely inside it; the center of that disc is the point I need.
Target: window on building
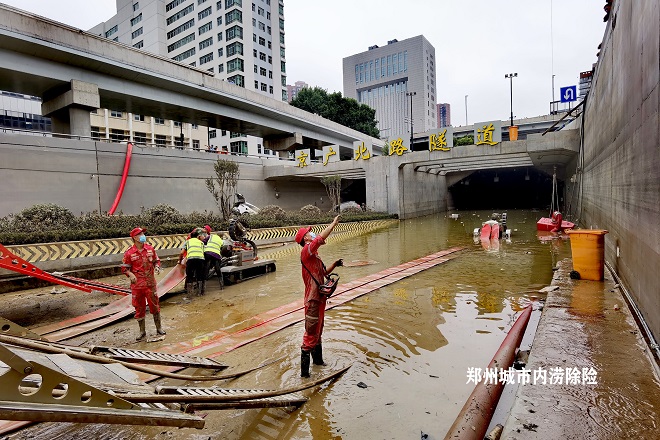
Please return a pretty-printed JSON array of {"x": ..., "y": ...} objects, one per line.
[
  {"x": 136, "y": 6},
  {"x": 270, "y": 74},
  {"x": 270, "y": 59},
  {"x": 254, "y": 37},
  {"x": 140, "y": 137},
  {"x": 282, "y": 52},
  {"x": 234, "y": 15},
  {"x": 284, "y": 95},
  {"x": 139, "y": 118},
  {"x": 221, "y": 52},
  {"x": 182, "y": 13},
  {"x": 206, "y": 58},
  {"x": 270, "y": 45},
  {"x": 262, "y": 27},
  {"x": 199, "y": 2},
  {"x": 256, "y": 69},
  {"x": 262, "y": 56},
  {"x": 281, "y": 10},
  {"x": 221, "y": 68},
  {"x": 219, "y": 36},
  {"x": 96, "y": 133},
  {"x": 224, "y": 132},
  {"x": 116, "y": 114},
  {"x": 234, "y": 32},
  {"x": 254, "y": 22},
  {"x": 159, "y": 121},
  {"x": 206, "y": 43},
  {"x": 270, "y": 89},
  {"x": 212, "y": 134},
  {"x": 234, "y": 134},
  {"x": 136, "y": 20},
  {"x": 136, "y": 33},
  {"x": 283, "y": 66},
  {"x": 230, "y": 3},
  {"x": 268, "y": 30},
  {"x": 185, "y": 26},
  {"x": 195, "y": 144},
  {"x": 185, "y": 40},
  {"x": 234, "y": 65},
  {"x": 283, "y": 81},
  {"x": 238, "y": 80},
  {"x": 205, "y": 13},
  {"x": 235, "y": 48},
  {"x": 258, "y": 148},
  {"x": 267, "y": 15},
  {"x": 218, "y": 5},
  {"x": 211, "y": 69},
  {"x": 281, "y": 37},
  {"x": 111, "y": 31},
  {"x": 207, "y": 27},
  {"x": 254, "y": 52},
  {"x": 173, "y": 4},
  {"x": 256, "y": 84},
  {"x": 238, "y": 147},
  {"x": 116, "y": 135},
  {"x": 260, "y": 11},
  {"x": 187, "y": 54},
  {"x": 262, "y": 71},
  {"x": 262, "y": 41},
  {"x": 161, "y": 140},
  {"x": 281, "y": 23},
  {"x": 139, "y": 44}
]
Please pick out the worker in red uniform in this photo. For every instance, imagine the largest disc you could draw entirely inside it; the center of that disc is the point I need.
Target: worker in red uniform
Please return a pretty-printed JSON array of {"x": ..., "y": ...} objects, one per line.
[
  {"x": 556, "y": 222},
  {"x": 313, "y": 272},
  {"x": 139, "y": 265}
]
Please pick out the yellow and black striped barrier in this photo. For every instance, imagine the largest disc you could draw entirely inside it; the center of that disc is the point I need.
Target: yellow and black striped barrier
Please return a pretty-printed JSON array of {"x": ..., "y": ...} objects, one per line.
[{"x": 35, "y": 253}]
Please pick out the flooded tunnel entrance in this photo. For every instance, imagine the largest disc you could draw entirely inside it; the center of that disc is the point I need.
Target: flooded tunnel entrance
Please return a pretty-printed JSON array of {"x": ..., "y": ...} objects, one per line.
[{"x": 505, "y": 188}]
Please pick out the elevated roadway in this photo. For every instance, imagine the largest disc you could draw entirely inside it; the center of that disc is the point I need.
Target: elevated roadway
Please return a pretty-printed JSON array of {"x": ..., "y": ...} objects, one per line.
[{"x": 75, "y": 71}]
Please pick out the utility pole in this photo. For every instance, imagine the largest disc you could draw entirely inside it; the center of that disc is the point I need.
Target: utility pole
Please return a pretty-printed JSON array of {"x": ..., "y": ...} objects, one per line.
[
  {"x": 511, "y": 76},
  {"x": 411, "y": 94}
]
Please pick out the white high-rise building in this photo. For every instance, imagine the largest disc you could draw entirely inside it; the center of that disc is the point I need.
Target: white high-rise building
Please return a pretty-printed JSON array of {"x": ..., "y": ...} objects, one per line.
[
  {"x": 386, "y": 78},
  {"x": 238, "y": 41}
]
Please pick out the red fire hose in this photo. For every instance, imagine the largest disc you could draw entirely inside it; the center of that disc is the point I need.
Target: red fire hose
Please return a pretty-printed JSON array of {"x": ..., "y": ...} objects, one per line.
[
  {"x": 473, "y": 420},
  {"x": 124, "y": 176}
]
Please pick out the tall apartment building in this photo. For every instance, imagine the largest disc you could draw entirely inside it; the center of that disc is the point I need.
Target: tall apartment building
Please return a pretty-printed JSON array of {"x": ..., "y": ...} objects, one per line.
[
  {"x": 211, "y": 35},
  {"x": 384, "y": 77},
  {"x": 444, "y": 115},
  {"x": 292, "y": 90}
]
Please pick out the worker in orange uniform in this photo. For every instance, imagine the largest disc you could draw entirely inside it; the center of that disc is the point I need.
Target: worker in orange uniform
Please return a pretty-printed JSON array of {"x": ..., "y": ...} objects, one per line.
[
  {"x": 139, "y": 265},
  {"x": 313, "y": 273}
]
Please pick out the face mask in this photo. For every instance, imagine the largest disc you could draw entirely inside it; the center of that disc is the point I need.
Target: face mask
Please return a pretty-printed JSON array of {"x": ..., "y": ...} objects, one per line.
[
  {"x": 313, "y": 235},
  {"x": 142, "y": 239}
]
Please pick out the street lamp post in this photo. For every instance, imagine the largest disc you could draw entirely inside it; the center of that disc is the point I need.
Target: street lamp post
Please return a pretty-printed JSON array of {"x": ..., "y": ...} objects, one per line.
[
  {"x": 466, "y": 118},
  {"x": 511, "y": 76},
  {"x": 411, "y": 94}
]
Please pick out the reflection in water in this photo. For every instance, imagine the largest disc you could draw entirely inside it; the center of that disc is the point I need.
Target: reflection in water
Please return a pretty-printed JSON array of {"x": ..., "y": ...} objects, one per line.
[{"x": 410, "y": 342}]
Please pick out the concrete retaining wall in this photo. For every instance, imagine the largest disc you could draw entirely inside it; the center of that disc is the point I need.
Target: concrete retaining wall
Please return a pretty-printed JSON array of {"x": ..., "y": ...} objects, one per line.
[
  {"x": 84, "y": 176},
  {"x": 621, "y": 171}
]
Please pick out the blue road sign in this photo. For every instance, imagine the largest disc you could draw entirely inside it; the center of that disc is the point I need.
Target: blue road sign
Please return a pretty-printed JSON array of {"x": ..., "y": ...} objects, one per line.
[{"x": 568, "y": 94}]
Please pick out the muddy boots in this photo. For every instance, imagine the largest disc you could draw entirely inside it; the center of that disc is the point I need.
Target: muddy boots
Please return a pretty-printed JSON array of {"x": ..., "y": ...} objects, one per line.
[
  {"x": 304, "y": 363},
  {"x": 317, "y": 355},
  {"x": 143, "y": 331},
  {"x": 159, "y": 327},
  {"x": 202, "y": 288},
  {"x": 190, "y": 288}
]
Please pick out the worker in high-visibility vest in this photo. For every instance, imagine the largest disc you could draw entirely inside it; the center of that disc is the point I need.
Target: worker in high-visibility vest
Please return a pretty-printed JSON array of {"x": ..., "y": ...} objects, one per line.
[
  {"x": 195, "y": 265},
  {"x": 212, "y": 254}
]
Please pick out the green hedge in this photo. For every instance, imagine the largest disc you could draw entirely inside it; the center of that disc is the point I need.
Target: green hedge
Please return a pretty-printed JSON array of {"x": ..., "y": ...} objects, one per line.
[{"x": 52, "y": 223}]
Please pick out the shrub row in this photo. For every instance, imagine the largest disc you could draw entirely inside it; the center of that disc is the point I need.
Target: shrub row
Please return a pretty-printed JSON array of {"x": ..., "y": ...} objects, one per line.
[{"x": 51, "y": 223}]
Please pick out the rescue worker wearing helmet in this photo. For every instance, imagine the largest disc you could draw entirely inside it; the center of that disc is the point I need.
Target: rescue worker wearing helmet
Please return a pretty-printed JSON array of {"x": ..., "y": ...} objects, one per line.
[
  {"x": 213, "y": 254},
  {"x": 139, "y": 264},
  {"x": 313, "y": 269}
]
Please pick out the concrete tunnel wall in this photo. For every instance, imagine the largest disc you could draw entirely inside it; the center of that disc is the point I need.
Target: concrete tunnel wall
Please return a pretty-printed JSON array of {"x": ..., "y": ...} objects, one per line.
[
  {"x": 621, "y": 170},
  {"x": 84, "y": 176}
]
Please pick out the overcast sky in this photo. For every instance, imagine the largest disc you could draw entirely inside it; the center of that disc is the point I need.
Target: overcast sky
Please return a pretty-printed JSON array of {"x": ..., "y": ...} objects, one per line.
[{"x": 476, "y": 43}]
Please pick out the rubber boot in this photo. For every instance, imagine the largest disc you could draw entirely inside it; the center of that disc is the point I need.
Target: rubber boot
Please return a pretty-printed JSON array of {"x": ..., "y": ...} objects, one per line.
[
  {"x": 159, "y": 327},
  {"x": 202, "y": 288},
  {"x": 143, "y": 331},
  {"x": 304, "y": 363},
  {"x": 317, "y": 355},
  {"x": 189, "y": 289},
  {"x": 196, "y": 288}
]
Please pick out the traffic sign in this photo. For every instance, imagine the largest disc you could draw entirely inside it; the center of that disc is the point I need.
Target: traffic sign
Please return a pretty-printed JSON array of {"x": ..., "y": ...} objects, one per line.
[{"x": 568, "y": 94}]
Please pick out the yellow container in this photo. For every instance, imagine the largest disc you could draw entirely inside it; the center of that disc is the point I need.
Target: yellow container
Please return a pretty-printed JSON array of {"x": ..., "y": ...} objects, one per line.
[
  {"x": 588, "y": 250},
  {"x": 513, "y": 133}
]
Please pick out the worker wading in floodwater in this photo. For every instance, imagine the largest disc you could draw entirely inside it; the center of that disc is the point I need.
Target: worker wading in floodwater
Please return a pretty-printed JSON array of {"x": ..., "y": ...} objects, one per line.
[
  {"x": 140, "y": 264},
  {"x": 313, "y": 273}
]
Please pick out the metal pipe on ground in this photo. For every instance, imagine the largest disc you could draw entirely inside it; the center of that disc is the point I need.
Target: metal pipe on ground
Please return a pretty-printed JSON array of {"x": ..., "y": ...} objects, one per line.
[{"x": 473, "y": 420}]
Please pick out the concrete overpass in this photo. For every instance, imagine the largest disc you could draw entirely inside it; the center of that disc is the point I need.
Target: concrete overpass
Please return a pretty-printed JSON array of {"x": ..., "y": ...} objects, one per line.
[
  {"x": 417, "y": 183},
  {"x": 75, "y": 71}
]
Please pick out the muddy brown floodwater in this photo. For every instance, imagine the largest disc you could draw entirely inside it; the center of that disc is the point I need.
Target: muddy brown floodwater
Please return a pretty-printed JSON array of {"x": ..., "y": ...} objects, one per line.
[{"x": 410, "y": 342}]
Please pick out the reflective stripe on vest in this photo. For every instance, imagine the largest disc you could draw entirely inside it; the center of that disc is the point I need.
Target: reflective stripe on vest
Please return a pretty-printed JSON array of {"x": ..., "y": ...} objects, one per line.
[
  {"x": 214, "y": 244},
  {"x": 195, "y": 248}
]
